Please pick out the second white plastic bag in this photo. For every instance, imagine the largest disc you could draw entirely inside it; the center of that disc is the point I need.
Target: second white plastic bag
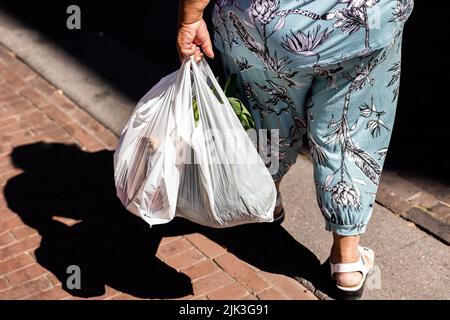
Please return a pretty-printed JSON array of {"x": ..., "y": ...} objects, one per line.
[{"x": 167, "y": 164}]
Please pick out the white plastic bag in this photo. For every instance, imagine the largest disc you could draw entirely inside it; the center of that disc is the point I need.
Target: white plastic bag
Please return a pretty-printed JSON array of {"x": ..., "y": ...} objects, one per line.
[{"x": 167, "y": 164}]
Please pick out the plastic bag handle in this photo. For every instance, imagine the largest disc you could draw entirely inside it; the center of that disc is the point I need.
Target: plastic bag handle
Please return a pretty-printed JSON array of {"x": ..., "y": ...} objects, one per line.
[
  {"x": 183, "y": 95},
  {"x": 203, "y": 71}
]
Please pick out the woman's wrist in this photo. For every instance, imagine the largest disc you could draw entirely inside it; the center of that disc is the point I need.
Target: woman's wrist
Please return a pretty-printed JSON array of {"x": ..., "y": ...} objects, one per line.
[
  {"x": 191, "y": 11},
  {"x": 190, "y": 17}
]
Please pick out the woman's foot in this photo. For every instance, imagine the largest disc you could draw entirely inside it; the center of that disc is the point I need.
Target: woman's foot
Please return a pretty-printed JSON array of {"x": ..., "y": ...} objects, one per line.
[
  {"x": 278, "y": 213},
  {"x": 347, "y": 279},
  {"x": 345, "y": 250},
  {"x": 350, "y": 265},
  {"x": 349, "y": 285}
]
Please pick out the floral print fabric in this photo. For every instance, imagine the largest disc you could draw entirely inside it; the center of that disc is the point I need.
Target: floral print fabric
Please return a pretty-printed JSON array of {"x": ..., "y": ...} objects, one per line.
[
  {"x": 309, "y": 31},
  {"x": 341, "y": 99}
]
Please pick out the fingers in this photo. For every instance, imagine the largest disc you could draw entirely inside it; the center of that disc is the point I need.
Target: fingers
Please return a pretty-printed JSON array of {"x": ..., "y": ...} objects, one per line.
[
  {"x": 187, "y": 51},
  {"x": 204, "y": 40},
  {"x": 192, "y": 50},
  {"x": 207, "y": 48},
  {"x": 185, "y": 45},
  {"x": 198, "y": 55},
  {"x": 191, "y": 38}
]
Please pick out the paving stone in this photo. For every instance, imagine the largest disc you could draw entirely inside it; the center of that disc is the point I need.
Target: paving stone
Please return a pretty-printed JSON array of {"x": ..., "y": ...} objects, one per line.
[{"x": 425, "y": 220}]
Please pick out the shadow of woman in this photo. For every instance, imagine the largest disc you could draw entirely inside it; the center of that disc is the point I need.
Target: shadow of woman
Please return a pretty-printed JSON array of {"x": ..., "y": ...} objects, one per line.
[{"x": 69, "y": 197}]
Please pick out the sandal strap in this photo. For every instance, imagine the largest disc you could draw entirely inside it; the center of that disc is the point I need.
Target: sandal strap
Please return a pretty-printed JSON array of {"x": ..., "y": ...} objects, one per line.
[
  {"x": 347, "y": 267},
  {"x": 359, "y": 266}
]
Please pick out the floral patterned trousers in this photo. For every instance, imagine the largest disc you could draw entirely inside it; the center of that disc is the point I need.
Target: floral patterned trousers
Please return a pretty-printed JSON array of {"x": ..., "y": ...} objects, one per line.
[{"x": 345, "y": 111}]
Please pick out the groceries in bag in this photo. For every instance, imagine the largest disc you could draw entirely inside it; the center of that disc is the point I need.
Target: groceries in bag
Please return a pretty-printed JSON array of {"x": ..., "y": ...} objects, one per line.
[{"x": 207, "y": 170}]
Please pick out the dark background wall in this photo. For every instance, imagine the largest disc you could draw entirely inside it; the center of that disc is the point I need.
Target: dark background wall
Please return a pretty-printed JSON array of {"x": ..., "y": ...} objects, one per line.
[{"x": 422, "y": 133}]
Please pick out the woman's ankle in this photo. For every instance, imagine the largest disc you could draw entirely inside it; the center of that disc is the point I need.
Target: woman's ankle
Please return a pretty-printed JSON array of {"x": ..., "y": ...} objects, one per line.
[
  {"x": 344, "y": 256},
  {"x": 345, "y": 249}
]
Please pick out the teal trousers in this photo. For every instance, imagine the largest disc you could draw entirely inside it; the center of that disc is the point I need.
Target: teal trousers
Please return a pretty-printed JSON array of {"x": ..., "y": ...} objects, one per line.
[{"x": 342, "y": 100}]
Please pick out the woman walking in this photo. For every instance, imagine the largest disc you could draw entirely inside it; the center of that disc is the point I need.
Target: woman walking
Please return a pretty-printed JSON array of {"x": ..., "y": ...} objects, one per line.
[{"x": 327, "y": 69}]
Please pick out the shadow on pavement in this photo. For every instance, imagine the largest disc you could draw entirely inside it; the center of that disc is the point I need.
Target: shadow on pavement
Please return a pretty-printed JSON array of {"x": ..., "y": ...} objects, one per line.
[{"x": 112, "y": 246}]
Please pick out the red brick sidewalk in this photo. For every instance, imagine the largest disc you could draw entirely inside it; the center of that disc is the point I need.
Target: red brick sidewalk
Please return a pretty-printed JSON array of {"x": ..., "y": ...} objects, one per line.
[{"x": 32, "y": 110}]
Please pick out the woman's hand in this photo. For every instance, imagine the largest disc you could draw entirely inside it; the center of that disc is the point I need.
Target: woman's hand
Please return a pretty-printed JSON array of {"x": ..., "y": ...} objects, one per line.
[{"x": 191, "y": 37}]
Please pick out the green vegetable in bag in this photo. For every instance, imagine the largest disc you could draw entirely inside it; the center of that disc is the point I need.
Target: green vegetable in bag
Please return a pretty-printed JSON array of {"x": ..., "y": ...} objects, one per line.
[{"x": 239, "y": 108}]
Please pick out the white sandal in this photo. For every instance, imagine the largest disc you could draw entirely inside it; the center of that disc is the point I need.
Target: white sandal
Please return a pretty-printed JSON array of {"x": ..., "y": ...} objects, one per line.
[{"x": 362, "y": 266}]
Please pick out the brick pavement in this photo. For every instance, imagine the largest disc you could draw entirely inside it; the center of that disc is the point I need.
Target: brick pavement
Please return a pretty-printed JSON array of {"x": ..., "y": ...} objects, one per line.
[{"x": 49, "y": 218}]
